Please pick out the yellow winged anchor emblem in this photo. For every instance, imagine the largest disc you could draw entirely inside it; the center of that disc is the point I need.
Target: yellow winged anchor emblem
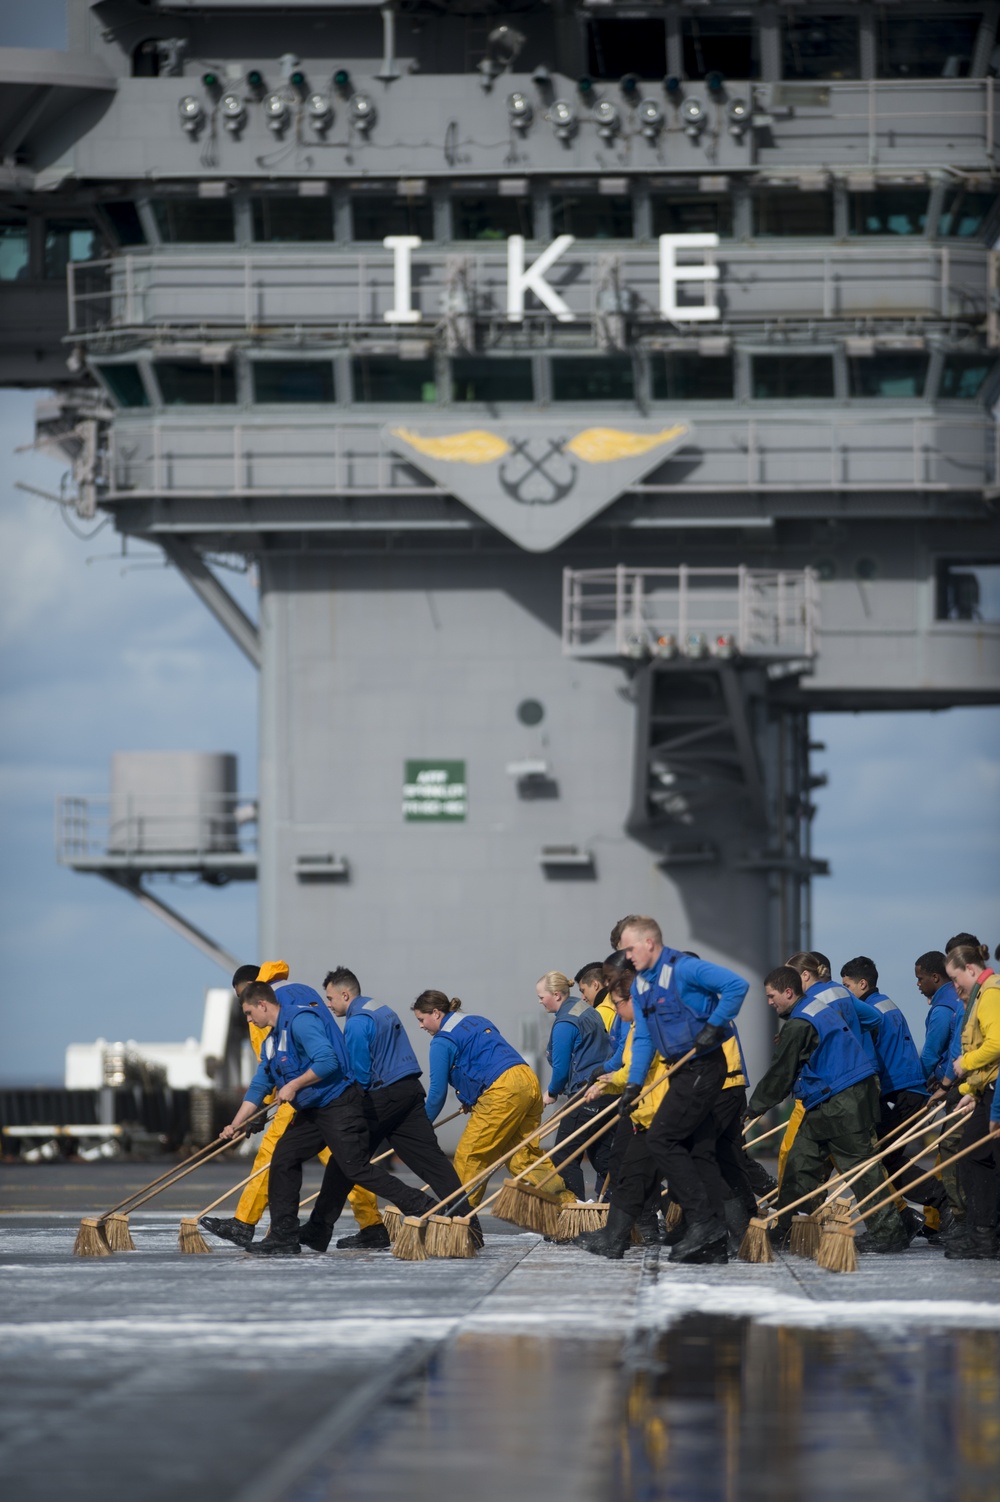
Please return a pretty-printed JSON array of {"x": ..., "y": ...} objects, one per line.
[{"x": 592, "y": 445}]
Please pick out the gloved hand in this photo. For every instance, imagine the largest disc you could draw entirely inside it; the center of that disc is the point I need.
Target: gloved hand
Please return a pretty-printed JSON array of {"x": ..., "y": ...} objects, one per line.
[
  {"x": 628, "y": 1099},
  {"x": 710, "y": 1036},
  {"x": 598, "y": 1074},
  {"x": 257, "y": 1124}
]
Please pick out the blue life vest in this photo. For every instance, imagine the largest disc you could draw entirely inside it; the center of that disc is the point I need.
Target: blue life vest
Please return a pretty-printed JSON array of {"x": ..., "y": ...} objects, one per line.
[
  {"x": 285, "y": 1060},
  {"x": 483, "y": 1055},
  {"x": 391, "y": 1053},
  {"x": 592, "y": 1044},
  {"x": 673, "y": 1020},
  {"x": 899, "y": 1066},
  {"x": 830, "y": 990},
  {"x": 838, "y": 1060}
]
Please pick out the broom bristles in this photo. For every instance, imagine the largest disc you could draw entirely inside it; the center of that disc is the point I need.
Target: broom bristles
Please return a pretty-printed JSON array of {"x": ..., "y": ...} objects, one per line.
[
  {"x": 392, "y": 1219},
  {"x": 409, "y": 1243},
  {"x": 837, "y": 1252},
  {"x": 583, "y": 1216},
  {"x": 804, "y": 1236},
  {"x": 117, "y": 1233},
  {"x": 511, "y": 1204},
  {"x": 462, "y": 1241},
  {"x": 436, "y": 1238},
  {"x": 756, "y": 1243},
  {"x": 190, "y": 1239},
  {"x": 90, "y": 1240},
  {"x": 545, "y": 1210},
  {"x": 672, "y": 1216}
]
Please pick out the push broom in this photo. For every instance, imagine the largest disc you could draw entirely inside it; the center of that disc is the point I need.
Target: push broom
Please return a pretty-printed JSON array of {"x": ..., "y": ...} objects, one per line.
[
  {"x": 93, "y": 1241},
  {"x": 838, "y": 1252}
]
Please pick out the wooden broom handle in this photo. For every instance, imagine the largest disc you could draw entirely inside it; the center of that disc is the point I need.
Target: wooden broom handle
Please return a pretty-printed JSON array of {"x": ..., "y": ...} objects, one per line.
[
  {"x": 201, "y": 1156},
  {"x": 932, "y": 1173},
  {"x": 931, "y": 1146},
  {"x": 904, "y": 1126},
  {"x": 781, "y": 1127},
  {"x": 152, "y": 1193},
  {"x": 915, "y": 1128}
]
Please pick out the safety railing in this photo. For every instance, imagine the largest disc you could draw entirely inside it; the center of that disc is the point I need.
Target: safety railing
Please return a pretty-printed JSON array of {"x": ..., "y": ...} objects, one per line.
[
  {"x": 690, "y": 612},
  {"x": 126, "y": 830}
]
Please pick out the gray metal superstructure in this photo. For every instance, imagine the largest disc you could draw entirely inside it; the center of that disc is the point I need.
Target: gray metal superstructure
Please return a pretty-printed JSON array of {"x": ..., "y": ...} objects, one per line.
[{"x": 455, "y": 319}]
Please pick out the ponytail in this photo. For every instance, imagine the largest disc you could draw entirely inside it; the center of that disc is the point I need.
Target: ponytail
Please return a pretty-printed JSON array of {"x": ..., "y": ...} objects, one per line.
[
  {"x": 436, "y": 1001},
  {"x": 969, "y": 956}
]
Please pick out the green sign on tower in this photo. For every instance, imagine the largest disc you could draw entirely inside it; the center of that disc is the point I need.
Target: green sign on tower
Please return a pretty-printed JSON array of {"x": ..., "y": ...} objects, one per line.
[{"x": 435, "y": 791}]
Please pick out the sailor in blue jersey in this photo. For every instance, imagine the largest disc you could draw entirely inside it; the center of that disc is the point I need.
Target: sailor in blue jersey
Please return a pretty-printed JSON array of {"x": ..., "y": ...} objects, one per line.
[
  {"x": 681, "y": 1003},
  {"x": 385, "y": 1066},
  {"x": 304, "y": 1060},
  {"x": 942, "y": 1044},
  {"x": 578, "y": 1046},
  {"x": 818, "y": 1057}
]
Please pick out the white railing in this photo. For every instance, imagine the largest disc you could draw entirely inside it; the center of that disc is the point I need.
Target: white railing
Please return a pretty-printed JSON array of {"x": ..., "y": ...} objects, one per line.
[
  {"x": 692, "y": 612},
  {"x": 127, "y": 830}
]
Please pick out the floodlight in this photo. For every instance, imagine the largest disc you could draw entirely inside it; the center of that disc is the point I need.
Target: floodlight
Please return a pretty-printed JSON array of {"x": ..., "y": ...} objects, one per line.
[
  {"x": 191, "y": 113},
  {"x": 650, "y": 118},
  {"x": 319, "y": 110},
  {"x": 608, "y": 119},
  {"x": 693, "y": 115},
  {"x": 234, "y": 112},
  {"x": 363, "y": 112},
  {"x": 563, "y": 117},
  {"x": 738, "y": 112},
  {"x": 520, "y": 111},
  {"x": 276, "y": 112}
]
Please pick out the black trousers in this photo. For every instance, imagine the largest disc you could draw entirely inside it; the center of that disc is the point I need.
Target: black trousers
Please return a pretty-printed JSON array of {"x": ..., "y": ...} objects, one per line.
[
  {"x": 402, "y": 1123},
  {"x": 345, "y": 1126},
  {"x": 681, "y": 1139},
  {"x": 979, "y": 1173},
  {"x": 894, "y": 1108},
  {"x": 599, "y": 1152},
  {"x": 637, "y": 1179},
  {"x": 729, "y": 1153}
]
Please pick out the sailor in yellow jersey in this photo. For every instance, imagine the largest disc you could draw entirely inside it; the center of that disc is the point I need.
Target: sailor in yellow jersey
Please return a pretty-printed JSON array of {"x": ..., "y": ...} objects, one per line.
[
  {"x": 594, "y": 989},
  {"x": 240, "y": 1227}
]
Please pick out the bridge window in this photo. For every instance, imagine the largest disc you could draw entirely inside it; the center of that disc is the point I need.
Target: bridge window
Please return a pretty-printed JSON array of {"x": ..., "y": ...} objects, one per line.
[
  {"x": 819, "y": 46},
  {"x": 68, "y": 240},
  {"x": 964, "y": 213},
  {"x": 928, "y": 46},
  {"x": 720, "y": 44},
  {"x": 592, "y": 216},
  {"x": 125, "y": 384},
  {"x": 384, "y": 378},
  {"x": 692, "y": 214},
  {"x": 888, "y": 211},
  {"x": 893, "y": 374},
  {"x": 787, "y": 212},
  {"x": 968, "y": 590},
  {"x": 492, "y": 218},
  {"x": 480, "y": 379},
  {"x": 188, "y": 383},
  {"x": 963, "y": 376},
  {"x": 609, "y": 379},
  {"x": 14, "y": 252},
  {"x": 292, "y": 381},
  {"x": 123, "y": 217},
  {"x": 379, "y": 214},
  {"x": 289, "y": 219},
  {"x": 627, "y": 45},
  {"x": 194, "y": 221},
  {"x": 789, "y": 377},
  {"x": 679, "y": 376}
]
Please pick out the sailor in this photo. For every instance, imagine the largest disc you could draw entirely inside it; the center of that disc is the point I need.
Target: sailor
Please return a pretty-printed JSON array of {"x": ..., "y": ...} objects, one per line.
[
  {"x": 594, "y": 989},
  {"x": 819, "y": 1058},
  {"x": 682, "y": 1003},
  {"x": 385, "y": 1066},
  {"x": 942, "y": 1043},
  {"x": 304, "y": 1059},
  {"x": 493, "y": 1084},
  {"x": 240, "y": 1227},
  {"x": 976, "y": 1069},
  {"x": 577, "y": 1048}
]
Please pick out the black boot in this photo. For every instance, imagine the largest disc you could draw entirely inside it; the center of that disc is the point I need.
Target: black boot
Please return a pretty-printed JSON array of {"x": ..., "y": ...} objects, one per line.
[
  {"x": 282, "y": 1240},
  {"x": 714, "y": 1255},
  {"x": 239, "y": 1232},
  {"x": 737, "y": 1220},
  {"x": 612, "y": 1240},
  {"x": 699, "y": 1234},
  {"x": 368, "y": 1239},
  {"x": 980, "y": 1245},
  {"x": 650, "y": 1228},
  {"x": 315, "y": 1237}
]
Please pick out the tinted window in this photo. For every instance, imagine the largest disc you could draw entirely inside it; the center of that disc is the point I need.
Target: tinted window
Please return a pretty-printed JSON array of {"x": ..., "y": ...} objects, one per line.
[
  {"x": 781, "y": 213},
  {"x": 188, "y": 383},
  {"x": 684, "y": 377},
  {"x": 819, "y": 46},
  {"x": 930, "y": 46},
  {"x": 484, "y": 380},
  {"x": 124, "y": 220},
  {"x": 890, "y": 374},
  {"x": 591, "y": 216},
  {"x": 383, "y": 378},
  {"x": 692, "y": 214},
  {"x": 376, "y": 216},
  {"x": 68, "y": 240},
  {"x": 194, "y": 221},
  {"x": 629, "y": 45},
  {"x": 968, "y": 590},
  {"x": 964, "y": 213},
  {"x": 790, "y": 377},
  {"x": 889, "y": 211},
  {"x": 963, "y": 376},
  {"x": 605, "y": 380},
  {"x": 720, "y": 44},
  {"x": 292, "y": 381},
  {"x": 125, "y": 384},
  {"x": 491, "y": 218},
  {"x": 287, "y": 218},
  {"x": 13, "y": 252}
]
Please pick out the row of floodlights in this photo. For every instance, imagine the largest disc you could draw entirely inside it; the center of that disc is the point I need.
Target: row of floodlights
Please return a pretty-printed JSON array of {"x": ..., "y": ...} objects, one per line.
[
  {"x": 277, "y": 105},
  {"x": 694, "y": 116},
  {"x": 696, "y": 644}
]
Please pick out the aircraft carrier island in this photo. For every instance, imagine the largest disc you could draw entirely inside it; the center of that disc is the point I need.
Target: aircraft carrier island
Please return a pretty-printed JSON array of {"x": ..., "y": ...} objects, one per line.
[{"x": 594, "y": 390}]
